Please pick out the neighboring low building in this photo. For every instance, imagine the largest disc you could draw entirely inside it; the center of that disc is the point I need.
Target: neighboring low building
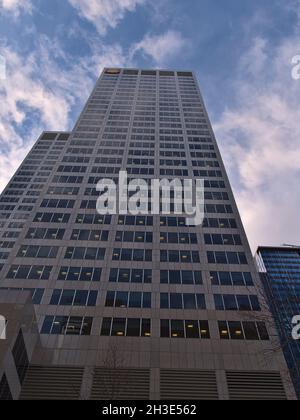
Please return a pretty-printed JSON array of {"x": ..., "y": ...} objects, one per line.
[{"x": 280, "y": 273}]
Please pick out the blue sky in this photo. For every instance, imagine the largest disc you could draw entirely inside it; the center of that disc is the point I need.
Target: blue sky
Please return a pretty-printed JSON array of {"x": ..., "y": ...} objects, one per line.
[{"x": 240, "y": 50}]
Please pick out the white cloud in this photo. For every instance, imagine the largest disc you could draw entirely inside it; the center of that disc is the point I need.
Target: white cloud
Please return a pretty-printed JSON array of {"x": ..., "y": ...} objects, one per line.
[
  {"x": 259, "y": 139},
  {"x": 161, "y": 48},
  {"x": 15, "y": 6},
  {"x": 40, "y": 94},
  {"x": 105, "y": 13}
]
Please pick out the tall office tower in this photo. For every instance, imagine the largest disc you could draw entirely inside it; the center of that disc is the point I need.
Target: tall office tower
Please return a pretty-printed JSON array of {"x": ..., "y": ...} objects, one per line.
[
  {"x": 136, "y": 307},
  {"x": 280, "y": 273}
]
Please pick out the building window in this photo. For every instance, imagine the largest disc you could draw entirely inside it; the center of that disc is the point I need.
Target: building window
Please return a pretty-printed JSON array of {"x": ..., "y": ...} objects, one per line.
[
  {"x": 121, "y": 327},
  {"x": 74, "y": 297},
  {"x": 233, "y": 330},
  {"x": 225, "y": 278},
  {"x": 186, "y": 301},
  {"x": 128, "y": 299},
  {"x": 64, "y": 325},
  {"x": 79, "y": 274},
  {"x": 184, "y": 329},
  {"x": 130, "y": 276},
  {"x": 236, "y": 303}
]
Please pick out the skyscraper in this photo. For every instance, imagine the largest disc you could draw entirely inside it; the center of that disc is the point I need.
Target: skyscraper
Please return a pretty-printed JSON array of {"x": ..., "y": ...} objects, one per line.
[
  {"x": 136, "y": 306},
  {"x": 280, "y": 274}
]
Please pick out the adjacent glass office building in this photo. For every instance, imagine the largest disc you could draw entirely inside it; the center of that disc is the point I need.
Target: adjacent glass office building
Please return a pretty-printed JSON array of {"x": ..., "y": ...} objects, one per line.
[
  {"x": 137, "y": 306},
  {"x": 280, "y": 273}
]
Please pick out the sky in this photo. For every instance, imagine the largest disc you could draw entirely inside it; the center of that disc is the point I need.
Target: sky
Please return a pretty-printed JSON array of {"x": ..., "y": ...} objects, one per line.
[{"x": 241, "y": 51}]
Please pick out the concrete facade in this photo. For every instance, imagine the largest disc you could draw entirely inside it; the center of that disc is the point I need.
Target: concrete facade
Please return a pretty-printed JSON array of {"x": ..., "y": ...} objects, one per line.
[{"x": 154, "y": 125}]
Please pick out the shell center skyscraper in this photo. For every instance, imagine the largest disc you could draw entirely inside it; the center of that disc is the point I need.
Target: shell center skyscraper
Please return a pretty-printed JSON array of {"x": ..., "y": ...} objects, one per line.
[{"x": 134, "y": 306}]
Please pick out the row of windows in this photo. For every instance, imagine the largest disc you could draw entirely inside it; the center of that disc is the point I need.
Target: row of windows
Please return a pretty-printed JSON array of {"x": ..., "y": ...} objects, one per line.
[
  {"x": 184, "y": 329},
  {"x": 64, "y": 325},
  {"x": 132, "y": 255},
  {"x": 51, "y": 218},
  {"x": 179, "y": 256},
  {"x": 224, "y": 278},
  {"x": 35, "y": 251},
  {"x": 234, "y": 258},
  {"x": 178, "y": 238},
  {"x": 74, "y": 297},
  {"x": 35, "y": 272},
  {"x": 80, "y": 253},
  {"x": 236, "y": 303},
  {"x": 128, "y": 299},
  {"x": 79, "y": 274},
  {"x": 139, "y": 237},
  {"x": 130, "y": 276},
  {"x": 243, "y": 331},
  {"x": 42, "y": 233},
  {"x": 182, "y": 301},
  {"x": 89, "y": 235},
  {"x": 131, "y": 327},
  {"x": 217, "y": 239},
  {"x": 181, "y": 277}
]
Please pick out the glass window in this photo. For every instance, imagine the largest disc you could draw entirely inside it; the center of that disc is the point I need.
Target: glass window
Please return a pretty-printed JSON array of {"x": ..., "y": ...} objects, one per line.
[
  {"x": 121, "y": 300},
  {"x": 133, "y": 327},
  {"x": 187, "y": 277},
  {"x": 243, "y": 303},
  {"x": 80, "y": 298},
  {"x": 192, "y": 329},
  {"x": 219, "y": 304},
  {"x": 236, "y": 331},
  {"x": 146, "y": 328},
  {"x": 164, "y": 328},
  {"x": 204, "y": 330},
  {"x": 189, "y": 300},
  {"x": 164, "y": 301},
  {"x": 135, "y": 300},
  {"x": 110, "y": 299},
  {"x": 118, "y": 327},
  {"x": 55, "y": 297},
  {"x": 250, "y": 331},
  {"x": 230, "y": 303},
  {"x": 223, "y": 330},
  {"x": 106, "y": 326},
  {"x": 146, "y": 300},
  {"x": 263, "y": 332},
  {"x": 237, "y": 279},
  {"x": 67, "y": 297},
  {"x": 175, "y": 301},
  {"x": 177, "y": 329},
  {"x": 175, "y": 277}
]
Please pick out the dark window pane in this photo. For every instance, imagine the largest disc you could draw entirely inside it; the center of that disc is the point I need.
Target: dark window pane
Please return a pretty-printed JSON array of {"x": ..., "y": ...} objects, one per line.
[
  {"x": 118, "y": 327},
  {"x": 106, "y": 325},
  {"x": 192, "y": 329},
  {"x": 133, "y": 327}
]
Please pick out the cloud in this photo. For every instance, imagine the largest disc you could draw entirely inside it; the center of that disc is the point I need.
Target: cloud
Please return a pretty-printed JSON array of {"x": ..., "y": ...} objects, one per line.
[
  {"x": 105, "y": 13},
  {"x": 259, "y": 139},
  {"x": 161, "y": 48},
  {"x": 40, "y": 94},
  {"x": 15, "y": 6}
]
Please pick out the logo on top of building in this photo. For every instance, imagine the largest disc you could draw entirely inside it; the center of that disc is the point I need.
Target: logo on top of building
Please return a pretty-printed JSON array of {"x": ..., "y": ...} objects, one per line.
[{"x": 2, "y": 328}]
